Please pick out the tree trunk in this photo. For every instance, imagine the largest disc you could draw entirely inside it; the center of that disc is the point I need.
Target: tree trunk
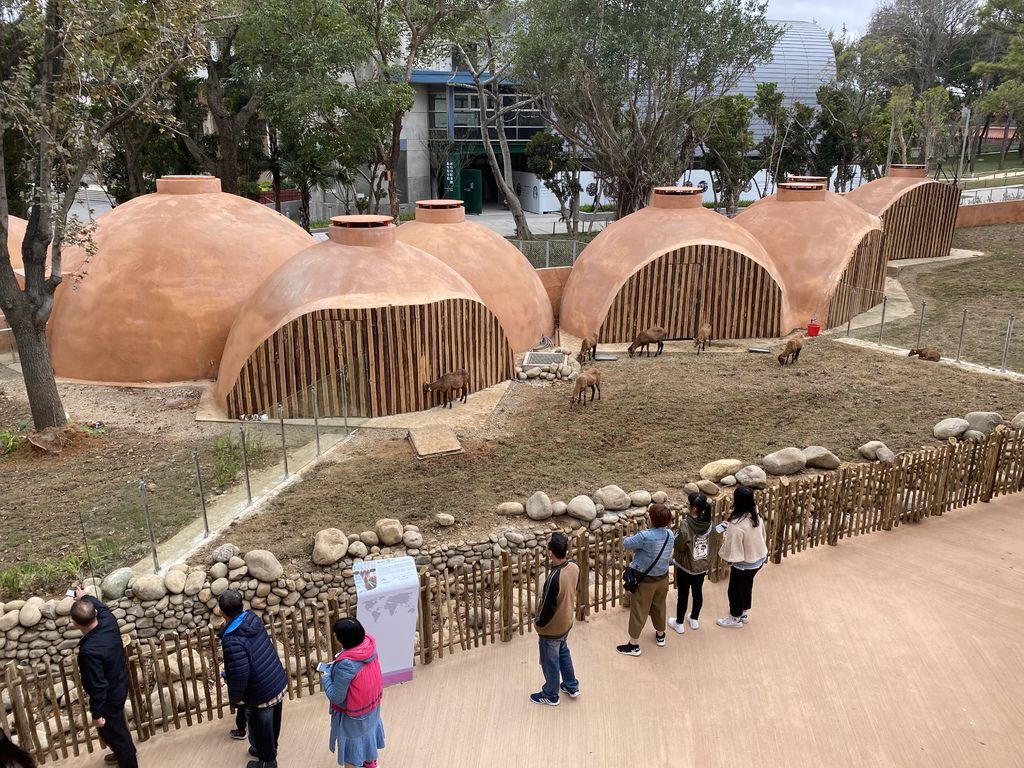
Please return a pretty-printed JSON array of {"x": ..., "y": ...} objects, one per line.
[
  {"x": 304, "y": 195},
  {"x": 632, "y": 194},
  {"x": 576, "y": 206},
  {"x": 1005, "y": 144},
  {"x": 501, "y": 174},
  {"x": 37, "y": 372},
  {"x": 275, "y": 170},
  {"x": 391, "y": 164},
  {"x": 227, "y": 157}
]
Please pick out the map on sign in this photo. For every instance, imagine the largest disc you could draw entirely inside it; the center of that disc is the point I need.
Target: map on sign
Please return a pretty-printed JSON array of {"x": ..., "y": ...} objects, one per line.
[{"x": 387, "y": 603}]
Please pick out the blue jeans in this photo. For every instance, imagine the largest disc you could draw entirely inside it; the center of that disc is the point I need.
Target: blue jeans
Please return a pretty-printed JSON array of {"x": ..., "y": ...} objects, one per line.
[
  {"x": 556, "y": 662},
  {"x": 264, "y": 730}
]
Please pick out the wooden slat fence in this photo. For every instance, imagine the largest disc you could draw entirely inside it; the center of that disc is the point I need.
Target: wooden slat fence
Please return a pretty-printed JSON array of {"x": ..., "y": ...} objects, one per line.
[
  {"x": 175, "y": 680},
  {"x": 919, "y": 224}
]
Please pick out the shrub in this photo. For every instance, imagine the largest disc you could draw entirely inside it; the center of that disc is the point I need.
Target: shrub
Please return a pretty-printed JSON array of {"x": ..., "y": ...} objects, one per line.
[
  {"x": 44, "y": 577},
  {"x": 227, "y": 456},
  {"x": 9, "y": 441}
]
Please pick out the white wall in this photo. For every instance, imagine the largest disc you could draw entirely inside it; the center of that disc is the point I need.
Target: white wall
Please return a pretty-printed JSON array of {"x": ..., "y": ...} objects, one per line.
[{"x": 536, "y": 198}]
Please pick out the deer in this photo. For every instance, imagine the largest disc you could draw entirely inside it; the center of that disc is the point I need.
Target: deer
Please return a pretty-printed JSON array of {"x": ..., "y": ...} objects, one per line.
[
  {"x": 588, "y": 349},
  {"x": 703, "y": 340},
  {"x": 930, "y": 354},
  {"x": 591, "y": 380},
  {"x": 644, "y": 339},
  {"x": 448, "y": 384},
  {"x": 791, "y": 353}
]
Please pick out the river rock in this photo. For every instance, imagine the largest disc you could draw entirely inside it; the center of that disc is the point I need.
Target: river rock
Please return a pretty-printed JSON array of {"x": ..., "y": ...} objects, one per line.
[
  {"x": 690, "y": 488},
  {"x": 329, "y": 546},
  {"x": 194, "y": 582},
  {"x": 716, "y": 470},
  {"x": 149, "y": 587},
  {"x": 708, "y": 488},
  {"x": 114, "y": 585},
  {"x": 357, "y": 549},
  {"x": 640, "y": 499},
  {"x": 9, "y": 620},
  {"x": 219, "y": 587},
  {"x": 984, "y": 421},
  {"x": 390, "y": 531},
  {"x": 752, "y": 476},
  {"x": 263, "y": 565},
  {"x": 369, "y": 538},
  {"x": 412, "y": 539},
  {"x": 973, "y": 436},
  {"x": 29, "y": 615},
  {"x": 559, "y": 508},
  {"x": 820, "y": 458},
  {"x": 511, "y": 508},
  {"x": 659, "y": 497},
  {"x": 538, "y": 506},
  {"x": 870, "y": 449},
  {"x": 444, "y": 519},
  {"x": 952, "y": 427},
  {"x": 885, "y": 455},
  {"x": 223, "y": 553},
  {"x": 787, "y": 461},
  {"x": 1017, "y": 422},
  {"x": 175, "y": 582},
  {"x": 218, "y": 570},
  {"x": 612, "y": 497},
  {"x": 728, "y": 481},
  {"x": 582, "y": 508}
]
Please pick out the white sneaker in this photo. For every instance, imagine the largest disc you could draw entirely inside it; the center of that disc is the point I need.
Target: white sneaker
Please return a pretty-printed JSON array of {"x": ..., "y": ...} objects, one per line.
[
  {"x": 694, "y": 624},
  {"x": 673, "y": 624},
  {"x": 729, "y": 621},
  {"x": 744, "y": 618}
]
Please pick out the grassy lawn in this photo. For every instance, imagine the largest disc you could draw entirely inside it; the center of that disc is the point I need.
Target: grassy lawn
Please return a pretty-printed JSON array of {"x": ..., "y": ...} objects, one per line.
[
  {"x": 991, "y": 288},
  {"x": 659, "y": 421}
]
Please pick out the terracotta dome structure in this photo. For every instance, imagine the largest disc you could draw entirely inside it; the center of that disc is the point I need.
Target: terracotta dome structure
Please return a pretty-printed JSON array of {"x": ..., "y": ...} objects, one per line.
[
  {"x": 497, "y": 270},
  {"x": 388, "y": 315},
  {"x": 15, "y": 237},
  {"x": 155, "y": 301},
  {"x": 828, "y": 251},
  {"x": 674, "y": 264},
  {"x": 919, "y": 213}
]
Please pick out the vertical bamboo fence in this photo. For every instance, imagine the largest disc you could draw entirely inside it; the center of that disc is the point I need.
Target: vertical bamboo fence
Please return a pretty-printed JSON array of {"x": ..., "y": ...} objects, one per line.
[{"x": 175, "y": 681}]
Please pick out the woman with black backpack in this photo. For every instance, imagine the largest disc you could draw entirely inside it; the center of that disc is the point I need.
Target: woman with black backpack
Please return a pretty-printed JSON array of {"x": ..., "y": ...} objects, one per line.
[
  {"x": 647, "y": 578},
  {"x": 691, "y": 555}
]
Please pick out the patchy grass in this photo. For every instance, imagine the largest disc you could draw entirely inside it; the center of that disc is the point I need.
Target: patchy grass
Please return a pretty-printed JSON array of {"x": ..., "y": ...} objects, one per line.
[
  {"x": 42, "y": 577},
  {"x": 991, "y": 288},
  {"x": 659, "y": 421}
]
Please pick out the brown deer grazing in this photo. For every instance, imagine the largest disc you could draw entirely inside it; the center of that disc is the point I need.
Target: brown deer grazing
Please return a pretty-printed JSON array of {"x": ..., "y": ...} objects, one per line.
[
  {"x": 926, "y": 353},
  {"x": 703, "y": 340},
  {"x": 588, "y": 349},
  {"x": 792, "y": 351},
  {"x": 644, "y": 339},
  {"x": 449, "y": 384},
  {"x": 586, "y": 380}
]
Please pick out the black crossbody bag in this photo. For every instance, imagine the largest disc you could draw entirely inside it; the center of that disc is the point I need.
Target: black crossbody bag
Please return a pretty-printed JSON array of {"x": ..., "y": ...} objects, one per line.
[{"x": 631, "y": 576}]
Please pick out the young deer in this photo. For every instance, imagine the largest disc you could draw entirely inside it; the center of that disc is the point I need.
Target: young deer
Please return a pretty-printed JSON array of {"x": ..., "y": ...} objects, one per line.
[{"x": 926, "y": 353}]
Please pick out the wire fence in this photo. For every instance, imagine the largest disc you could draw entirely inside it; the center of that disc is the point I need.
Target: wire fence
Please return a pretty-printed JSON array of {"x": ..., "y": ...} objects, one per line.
[
  {"x": 996, "y": 194},
  {"x": 544, "y": 254}
]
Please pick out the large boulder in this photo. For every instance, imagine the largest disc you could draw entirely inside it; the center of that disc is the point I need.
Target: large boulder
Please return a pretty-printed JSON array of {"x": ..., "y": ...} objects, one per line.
[
  {"x": 223, "y": 553},
  {"x": 511, "y": 508},
  {"x": 9, "y": 620},
  {"x": 752, "y": 477},
  {"x": 885, "y": 455},
  {"x": 538, "y": 506},
  {"x": 389, "y": 531},
  {"x": 29, "y": 615},
  {"x": 659, "y": 497},
  {"x": 149, "y": 587},
  {"x": 787, "y": 461},
  {"x": 613, "y": 498},
  {"x": 1017, "y": 422},
  {"x": 412, "y": 539},
  {"x": 691, "y": 488},
  {"x": 952, "y": 427},
  {"x": 194, "y": 582},
  {"x": 984, "y": 421},
  {"x": 329, "y": 546},
  {"x": 870, "y": 449},
  {"x": 219, "y": 587},
  {"x": 582, "y": 508},
  {"x": 218, "y": 570},
  {"x": 114, "y": 585},
  {"x": 263, "y": 565},
  {"x": 175, "y": 582},
  {"x": 716, "y": 470},
  {"x": 708, "y": 488},
  {"x": 641, "y": 499},
  {"x": 820, "y": 458},
  {"x": 558, "y": 508}
]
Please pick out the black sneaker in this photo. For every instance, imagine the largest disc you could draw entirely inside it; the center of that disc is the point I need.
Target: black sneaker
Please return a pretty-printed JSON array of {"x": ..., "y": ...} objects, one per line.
[
  {"x": 659, "y": 638},
  {"x": 237, "y": 734},
  {"x": 571, "y": 694},
  {"x": 628, "y": 649},
  {"x": 253, "y": 752},
  {"x": 540, "y": 698}
]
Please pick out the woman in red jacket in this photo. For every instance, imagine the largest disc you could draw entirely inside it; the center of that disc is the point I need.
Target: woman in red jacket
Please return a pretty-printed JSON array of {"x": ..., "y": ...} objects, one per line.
[{"x": 354, "y": 687}]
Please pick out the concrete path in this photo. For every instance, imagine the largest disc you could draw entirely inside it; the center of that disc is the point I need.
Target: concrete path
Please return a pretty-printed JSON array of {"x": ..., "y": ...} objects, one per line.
[{"x": 892, "y": 650}]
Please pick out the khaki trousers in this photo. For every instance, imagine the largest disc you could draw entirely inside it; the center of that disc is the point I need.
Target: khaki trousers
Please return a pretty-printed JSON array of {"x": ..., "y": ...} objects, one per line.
[{"x": 648, "y": 600}]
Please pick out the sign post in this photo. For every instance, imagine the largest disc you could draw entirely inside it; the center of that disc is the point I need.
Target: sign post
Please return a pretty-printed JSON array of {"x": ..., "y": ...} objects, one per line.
[{"x": 387, "y": 603}]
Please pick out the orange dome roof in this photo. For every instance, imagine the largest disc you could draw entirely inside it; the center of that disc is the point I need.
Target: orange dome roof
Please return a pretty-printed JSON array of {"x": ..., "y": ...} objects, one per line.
[
  {"x": 676, "y": 218},
  {"x": 360, "y": 266},
  {"x": 157, "y": 298},
  {"x": 15, "y": 237},
  {"x": 811, "y": 235},
  {"x": 876, "y": 196},
  {"x": 504, "y": 278}
]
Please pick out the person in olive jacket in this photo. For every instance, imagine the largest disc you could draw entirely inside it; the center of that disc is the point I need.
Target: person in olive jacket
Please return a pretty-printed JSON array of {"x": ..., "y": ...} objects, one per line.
[
  {"x": 104, "y": 675},
  {"x": 553, "y": 622},
  {"x": 255, "y": 677},
  {"x": 691, "y": 555}
]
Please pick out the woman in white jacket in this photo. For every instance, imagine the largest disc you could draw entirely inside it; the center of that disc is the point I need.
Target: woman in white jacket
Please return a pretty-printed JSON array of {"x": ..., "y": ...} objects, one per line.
[{"x": 744, "y": 548}]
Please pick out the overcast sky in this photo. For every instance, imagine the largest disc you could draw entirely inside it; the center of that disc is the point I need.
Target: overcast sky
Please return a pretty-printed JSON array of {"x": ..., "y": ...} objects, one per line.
[{"x": 829, "y": 14}]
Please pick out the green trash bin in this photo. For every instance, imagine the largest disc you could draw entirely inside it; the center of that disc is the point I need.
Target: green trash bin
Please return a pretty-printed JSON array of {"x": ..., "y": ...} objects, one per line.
[{"x": 473, "y": 190}]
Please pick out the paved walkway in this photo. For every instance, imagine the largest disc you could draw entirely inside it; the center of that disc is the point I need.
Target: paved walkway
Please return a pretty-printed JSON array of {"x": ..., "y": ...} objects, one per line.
[{"x": 893, "y": 650}]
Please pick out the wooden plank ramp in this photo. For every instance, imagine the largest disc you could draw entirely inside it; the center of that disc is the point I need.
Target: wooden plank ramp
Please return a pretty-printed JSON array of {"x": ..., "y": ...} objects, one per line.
[{"x": 434, "y": 441}]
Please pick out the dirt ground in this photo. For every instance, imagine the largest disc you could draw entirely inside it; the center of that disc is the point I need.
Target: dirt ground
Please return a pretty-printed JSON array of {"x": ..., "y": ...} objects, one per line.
[
  {"x": 991, "y": 288},
  {"x": 149, "y": 435},
  {"x": 658, "y": 422}
]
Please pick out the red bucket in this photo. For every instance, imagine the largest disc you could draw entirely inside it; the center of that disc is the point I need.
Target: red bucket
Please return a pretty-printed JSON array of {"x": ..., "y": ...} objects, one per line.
[{"x": 813, "y": 329}]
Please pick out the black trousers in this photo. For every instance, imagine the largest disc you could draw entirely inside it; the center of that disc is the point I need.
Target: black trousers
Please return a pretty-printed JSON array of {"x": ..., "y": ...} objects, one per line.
[
  {"x": 117, "y": 736},
  {"x": 685, "y": 584},
  {"x": 265, "y": 730},
  {"x": 741, "y": 585}
]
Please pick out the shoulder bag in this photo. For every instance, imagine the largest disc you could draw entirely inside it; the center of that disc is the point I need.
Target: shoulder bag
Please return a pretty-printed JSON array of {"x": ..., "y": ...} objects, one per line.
[{"x": 631, "y": 576}]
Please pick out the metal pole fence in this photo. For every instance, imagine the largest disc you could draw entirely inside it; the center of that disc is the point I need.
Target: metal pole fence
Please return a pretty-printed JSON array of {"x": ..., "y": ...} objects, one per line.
[
  {"x": 316, "y": 421},
  {"x": 202, "y": 493},
  {"x": 963, "y": 327},
  {"x": 1006, "y": 344},
  {"x": 284, "y": 444},
  {"x": 881, "y": 325},
  {"x": 920, "y": 325},
  {"x": 245, "y": 464},
  {"x": 343, "y": 375},
  {"x": 149, "y": 525}
]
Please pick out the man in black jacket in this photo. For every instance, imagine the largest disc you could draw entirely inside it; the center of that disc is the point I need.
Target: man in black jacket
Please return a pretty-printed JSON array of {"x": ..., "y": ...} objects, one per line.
[
  {"x": 255, "y": 677},
  {"x": 104, "y": 675}
]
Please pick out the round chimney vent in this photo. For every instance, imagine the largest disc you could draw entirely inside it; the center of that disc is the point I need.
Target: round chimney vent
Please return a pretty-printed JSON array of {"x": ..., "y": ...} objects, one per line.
[{"x": 361, "y": 221}]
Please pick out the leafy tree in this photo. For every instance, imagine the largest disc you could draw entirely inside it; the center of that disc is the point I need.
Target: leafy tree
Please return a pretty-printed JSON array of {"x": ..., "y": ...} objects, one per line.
[
  {"x": 728, "y": 144},
  {"x": 310, "y": 164},
  {"x": 559, "y": 169},
  {"x": 901, "y": 112},
  {"x": 82, "y": 70},
  {"x": 625, "y": 82},
  {"x": 1007, "y": 102},
  {"x": 934, "y": 123},
  {"x": 789, "y": 145}
]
